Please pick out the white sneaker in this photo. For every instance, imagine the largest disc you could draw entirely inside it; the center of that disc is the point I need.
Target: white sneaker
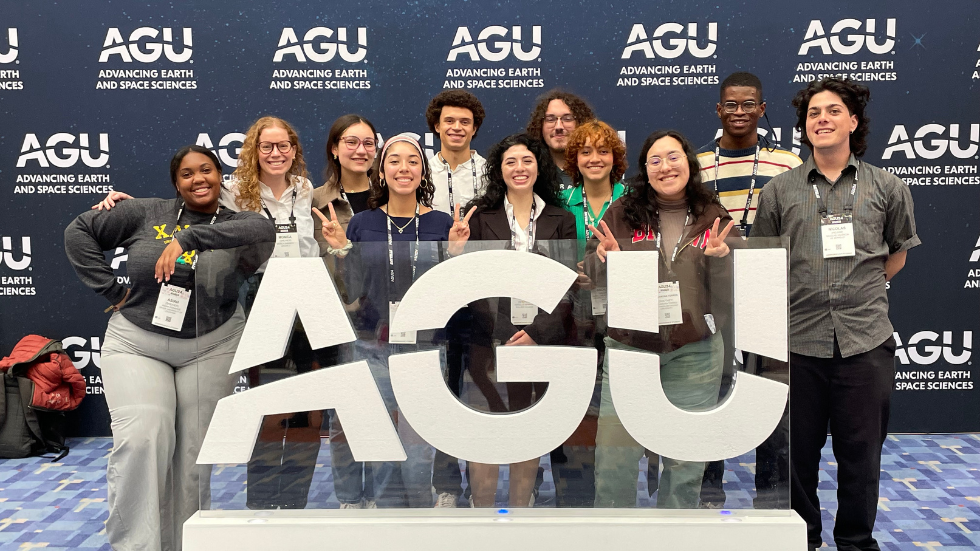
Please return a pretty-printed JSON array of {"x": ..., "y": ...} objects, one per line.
[
  {"x": 446, "y": 500},
  {"x": 370, "y": 504},
  {"x": 357, "y": 505}
]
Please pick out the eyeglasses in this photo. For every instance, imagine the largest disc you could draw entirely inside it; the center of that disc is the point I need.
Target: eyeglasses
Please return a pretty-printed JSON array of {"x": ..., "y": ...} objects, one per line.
[
  {"x": 747, "y": 106},
  {"x": 553, "y": 119},
  {"x": 673, "y": 159},
  {"x": 283, "y": 147},
  {"x": 353, "y": 141}
]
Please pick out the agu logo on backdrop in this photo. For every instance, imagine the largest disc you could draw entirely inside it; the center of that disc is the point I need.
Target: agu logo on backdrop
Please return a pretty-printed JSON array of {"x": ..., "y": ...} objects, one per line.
[
  {"x": 926, "y": 348},
  {"x": 10, "y": 78},
  {"x": 15, "y": 263},
  {"x": 144, "y": 59},
  {"x": 324, "y": 59},
  {"x": 85, "y": 352},
  {"x": 498, "y": 57},
  {"x": 229, "y": 147},
  {"x": 651, "y": 53},
  {"x": 63, "y": 163},
  {"x": 954, "y": 148},
  {"x": 853, "y": 49}
]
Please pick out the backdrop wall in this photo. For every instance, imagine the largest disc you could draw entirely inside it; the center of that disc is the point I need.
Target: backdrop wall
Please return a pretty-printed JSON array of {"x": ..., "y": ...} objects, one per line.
[{"x": 98, "y": 96}]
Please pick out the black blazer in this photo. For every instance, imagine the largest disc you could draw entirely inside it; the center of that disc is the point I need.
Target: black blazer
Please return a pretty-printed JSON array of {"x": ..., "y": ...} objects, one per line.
[{"x": 492, "y": 316}]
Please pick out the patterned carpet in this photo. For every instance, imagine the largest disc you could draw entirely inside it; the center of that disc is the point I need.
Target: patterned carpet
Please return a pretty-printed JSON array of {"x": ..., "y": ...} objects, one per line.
[{"x": 930, "y": 494}]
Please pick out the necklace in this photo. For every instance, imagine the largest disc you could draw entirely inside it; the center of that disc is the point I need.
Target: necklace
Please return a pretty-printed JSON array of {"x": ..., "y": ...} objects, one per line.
[{"x": 401, "y": 229}]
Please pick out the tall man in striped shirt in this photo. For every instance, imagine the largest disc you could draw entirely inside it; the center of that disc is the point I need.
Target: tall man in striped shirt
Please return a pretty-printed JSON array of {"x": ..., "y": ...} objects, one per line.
[{"x": 737, "y": 167}]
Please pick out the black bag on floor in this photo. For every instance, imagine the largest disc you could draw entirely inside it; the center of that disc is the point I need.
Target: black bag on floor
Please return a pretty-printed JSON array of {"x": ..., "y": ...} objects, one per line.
[{"x": 25, "y": 431}]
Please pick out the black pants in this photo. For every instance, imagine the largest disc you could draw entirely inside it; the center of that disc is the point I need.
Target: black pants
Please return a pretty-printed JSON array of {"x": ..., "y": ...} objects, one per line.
[
  {"x": 852, "y": 395},
  {"x": 446, "y": 477}
]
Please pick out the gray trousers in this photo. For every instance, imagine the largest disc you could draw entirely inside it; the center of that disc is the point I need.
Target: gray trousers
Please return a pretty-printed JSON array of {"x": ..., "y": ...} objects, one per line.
[{"x": 161, "y": 393}]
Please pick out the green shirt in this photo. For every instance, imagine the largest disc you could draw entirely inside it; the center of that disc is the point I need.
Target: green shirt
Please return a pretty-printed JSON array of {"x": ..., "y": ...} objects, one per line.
[{"x": 571, "y": 199}]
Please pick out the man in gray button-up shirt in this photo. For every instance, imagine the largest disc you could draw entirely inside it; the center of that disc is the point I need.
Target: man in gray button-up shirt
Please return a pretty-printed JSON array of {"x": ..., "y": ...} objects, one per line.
[{"x": 842, "y": 363}]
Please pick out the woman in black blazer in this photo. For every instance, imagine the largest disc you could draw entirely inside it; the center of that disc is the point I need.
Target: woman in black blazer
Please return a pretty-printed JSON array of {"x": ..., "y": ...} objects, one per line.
[{"x": 520, "y": 206}]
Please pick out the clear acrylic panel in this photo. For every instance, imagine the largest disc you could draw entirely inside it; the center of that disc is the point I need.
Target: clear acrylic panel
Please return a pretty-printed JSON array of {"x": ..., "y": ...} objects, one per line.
[{"x": 479, "y": 397}]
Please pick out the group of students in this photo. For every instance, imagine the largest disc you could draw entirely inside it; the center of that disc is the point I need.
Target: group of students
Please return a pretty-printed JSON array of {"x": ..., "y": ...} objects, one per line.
[{"x": 561, "y": 179}]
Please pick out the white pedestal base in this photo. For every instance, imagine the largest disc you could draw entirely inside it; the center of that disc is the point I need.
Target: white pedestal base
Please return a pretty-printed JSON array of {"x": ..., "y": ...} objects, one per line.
[{"x": 490, "y": 530}]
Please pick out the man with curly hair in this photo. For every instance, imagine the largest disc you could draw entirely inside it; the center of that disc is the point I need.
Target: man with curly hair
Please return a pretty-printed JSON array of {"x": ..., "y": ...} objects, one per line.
[
  {"x": 457, "y": 174},
  {"x": 850, "y": 225},
  {"x": 555, "y": 116},
  {"x": 457, "y": 171}
]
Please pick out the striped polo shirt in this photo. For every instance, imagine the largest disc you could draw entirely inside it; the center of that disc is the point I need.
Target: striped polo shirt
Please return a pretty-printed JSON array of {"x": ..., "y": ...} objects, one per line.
[{"x": 735, "y": 174}]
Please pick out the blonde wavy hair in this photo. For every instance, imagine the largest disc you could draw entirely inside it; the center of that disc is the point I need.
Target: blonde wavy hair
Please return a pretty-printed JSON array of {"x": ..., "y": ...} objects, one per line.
[{"x": 247, "y": 173}]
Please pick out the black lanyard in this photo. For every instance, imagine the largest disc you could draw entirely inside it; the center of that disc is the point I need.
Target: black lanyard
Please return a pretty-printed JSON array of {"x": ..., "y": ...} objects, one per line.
[
  {"x": 848, "y": 200},
  {"x": 181, "y": 212},
  {"x": 292, "y": 219},
  {"x": 391, "y": 249},
  {"x": 449, "y": 179},
  {"x": 755, "y": 171},
  {"x": 530, "y": 227},
  {"x": 673, "y": 256}
]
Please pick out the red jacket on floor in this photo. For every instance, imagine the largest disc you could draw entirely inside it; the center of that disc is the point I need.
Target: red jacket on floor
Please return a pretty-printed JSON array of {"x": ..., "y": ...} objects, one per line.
[{"x": 58, "y": 386}]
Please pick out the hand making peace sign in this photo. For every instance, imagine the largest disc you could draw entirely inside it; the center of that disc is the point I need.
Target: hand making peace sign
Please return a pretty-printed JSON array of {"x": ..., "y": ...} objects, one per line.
[
  {"x": 607, "y": 243},
  {"x": 716, "y": 243},
  {"x": 460, "y": 232},
  {"x": 331, "y": 229}
]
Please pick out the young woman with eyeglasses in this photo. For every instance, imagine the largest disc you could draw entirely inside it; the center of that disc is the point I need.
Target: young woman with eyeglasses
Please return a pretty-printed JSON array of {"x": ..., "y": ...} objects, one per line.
[
  {"x": 666, "y": 209},
  {"x": 351, "y": 150}
]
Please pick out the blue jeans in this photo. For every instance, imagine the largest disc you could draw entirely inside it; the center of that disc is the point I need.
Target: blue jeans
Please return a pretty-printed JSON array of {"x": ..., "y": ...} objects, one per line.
[
  {"x": 691, "y": 376},
  {"x": 391, "y": 485}
]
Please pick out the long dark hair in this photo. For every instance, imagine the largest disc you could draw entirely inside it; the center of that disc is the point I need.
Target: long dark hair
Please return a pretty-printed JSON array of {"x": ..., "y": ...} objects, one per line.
[
  {"x": 182, "y": 152},
  {"x": 640, "y": 200},
  {"x": 547, "y": 185},
  {"x": 379, "y": 188},
  {"x": 331, "y": 174}
]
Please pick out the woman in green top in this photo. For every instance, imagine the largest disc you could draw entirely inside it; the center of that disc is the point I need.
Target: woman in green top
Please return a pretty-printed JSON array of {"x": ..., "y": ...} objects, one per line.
[{"x": 595, "y": 159}]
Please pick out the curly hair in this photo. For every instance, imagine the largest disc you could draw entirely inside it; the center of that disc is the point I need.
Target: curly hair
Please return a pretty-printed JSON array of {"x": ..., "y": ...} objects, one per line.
[
  {"x": 454, "y": 98},
  {"x": 855, "y": 97},
  {"x": 547, "y": 185},
  {"x": 247, "y": 173},
  {"x": 640, "y": 200},
  {"x": 741, "y": 78},
  {"x": 182, "y": 152},
  {"x": 379, "y": 188},
  {"x": 332, "y": 172},
  {"x": 580, "y": 110},
  {"x": 601, "y": 134}
]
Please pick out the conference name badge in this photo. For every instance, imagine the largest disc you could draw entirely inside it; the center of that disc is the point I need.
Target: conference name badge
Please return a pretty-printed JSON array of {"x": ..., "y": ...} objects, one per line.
[
  {"x": 287, "y": 242},
  {"x": 837, "y": 235},
  {"x": 522, "y": 312},
  {"x": 404, "y": 337},
  {"x": 171, "y": 307},
  {"x": 599, "y": 301},
  {"x": 670, "y": 303}
]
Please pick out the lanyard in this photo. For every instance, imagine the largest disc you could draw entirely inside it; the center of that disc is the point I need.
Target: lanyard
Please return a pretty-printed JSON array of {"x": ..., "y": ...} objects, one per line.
[
  {"x": 530, "y": 227},
  {"x": 587, "y": 214},
  {"x": 292, "y": 219},
  {"x": 755, "y": 171},
  {"x": 342, "y": 192},
  {"x": 848, "y": 201},
  {"x": 391, "y": 250},
  {"x": 677, "y": 247},
  {"x": 449, "y": 180}
]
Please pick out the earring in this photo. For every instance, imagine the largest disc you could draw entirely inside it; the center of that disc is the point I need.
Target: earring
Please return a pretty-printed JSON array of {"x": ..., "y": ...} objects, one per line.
[{"x": 335, "y": 157}]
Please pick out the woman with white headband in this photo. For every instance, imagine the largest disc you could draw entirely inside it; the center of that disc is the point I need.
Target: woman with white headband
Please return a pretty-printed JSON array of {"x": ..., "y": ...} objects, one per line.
[{"x": 399, "y": 210}]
